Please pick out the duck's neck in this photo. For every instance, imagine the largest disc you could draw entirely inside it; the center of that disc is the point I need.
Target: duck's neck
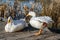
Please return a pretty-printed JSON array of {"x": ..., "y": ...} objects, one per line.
[
  {"x": 9, "y": 24},
  {"x": 33, "y": 16}
]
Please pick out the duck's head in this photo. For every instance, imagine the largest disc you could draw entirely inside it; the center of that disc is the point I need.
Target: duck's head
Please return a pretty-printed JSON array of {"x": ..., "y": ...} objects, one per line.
[
  {"x": 9, "y": 20},
  {"x": 30, "y": 15}
]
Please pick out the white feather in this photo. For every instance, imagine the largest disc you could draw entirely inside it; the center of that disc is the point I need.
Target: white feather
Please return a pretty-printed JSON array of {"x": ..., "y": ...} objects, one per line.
[
  {"x": 15, "y": 25},
  {"x": 37, "y": 22}
]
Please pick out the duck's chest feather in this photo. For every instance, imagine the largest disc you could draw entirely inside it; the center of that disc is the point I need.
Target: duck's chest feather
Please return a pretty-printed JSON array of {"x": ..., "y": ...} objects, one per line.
[{"x": 36, "y": 24}]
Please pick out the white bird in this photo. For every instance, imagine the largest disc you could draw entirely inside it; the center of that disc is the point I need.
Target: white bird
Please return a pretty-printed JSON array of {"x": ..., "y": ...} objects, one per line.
[
  {"x": 39, "y": 22},
  {"x": 15, "y": 25}
]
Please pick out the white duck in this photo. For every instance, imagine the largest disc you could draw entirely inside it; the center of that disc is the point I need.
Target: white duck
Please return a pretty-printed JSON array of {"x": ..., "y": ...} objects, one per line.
[
  {"x": 39, "y": 22},
  {"x": 15, "y": 25}
]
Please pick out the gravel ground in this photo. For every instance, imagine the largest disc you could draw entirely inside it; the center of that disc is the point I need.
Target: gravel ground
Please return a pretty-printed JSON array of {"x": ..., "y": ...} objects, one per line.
[{"x": 26, "y": 35}]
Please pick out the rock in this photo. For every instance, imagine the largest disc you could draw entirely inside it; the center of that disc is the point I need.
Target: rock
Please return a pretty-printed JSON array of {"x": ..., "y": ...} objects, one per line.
[{"x": 51, "y": 38}]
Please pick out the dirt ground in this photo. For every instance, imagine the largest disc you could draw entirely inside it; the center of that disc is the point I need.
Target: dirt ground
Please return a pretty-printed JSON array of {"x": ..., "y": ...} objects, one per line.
[{"x": 26, "y": 35}]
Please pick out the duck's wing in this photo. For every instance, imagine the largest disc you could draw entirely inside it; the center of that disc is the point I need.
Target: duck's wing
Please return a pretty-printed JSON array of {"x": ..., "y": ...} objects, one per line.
[
  {"x": 46, "y": 19},
  {"x": 18, "y": 22}
]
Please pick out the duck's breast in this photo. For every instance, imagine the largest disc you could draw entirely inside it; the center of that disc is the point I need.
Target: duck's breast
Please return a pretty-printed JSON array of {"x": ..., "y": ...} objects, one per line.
[
  {"x": 36, "y": 24},
  {"x": 7, "y": 27}
]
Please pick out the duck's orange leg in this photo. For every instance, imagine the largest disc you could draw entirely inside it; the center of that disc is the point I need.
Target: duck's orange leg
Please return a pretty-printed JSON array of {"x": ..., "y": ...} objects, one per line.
[{"x": 38, "y": 33}]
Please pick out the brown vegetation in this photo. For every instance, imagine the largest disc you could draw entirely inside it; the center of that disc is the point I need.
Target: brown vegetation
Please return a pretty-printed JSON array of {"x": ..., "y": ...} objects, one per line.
[
  {"x": 52, "y": 8},
  {"x": 2, "y": 9}
]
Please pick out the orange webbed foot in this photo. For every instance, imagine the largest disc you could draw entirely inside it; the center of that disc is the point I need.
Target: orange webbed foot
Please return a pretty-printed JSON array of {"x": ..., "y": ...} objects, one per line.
[{"x": 38, "y": 33}]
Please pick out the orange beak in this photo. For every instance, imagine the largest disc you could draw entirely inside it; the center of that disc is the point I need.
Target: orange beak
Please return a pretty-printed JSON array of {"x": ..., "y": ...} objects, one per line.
[{"x": 27, "y": 15}]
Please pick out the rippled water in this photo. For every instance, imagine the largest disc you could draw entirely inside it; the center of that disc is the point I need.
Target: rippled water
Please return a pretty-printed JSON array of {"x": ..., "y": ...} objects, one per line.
[
  {"x": 22, "y": 3},
  {"x": 11, "y": 2}
]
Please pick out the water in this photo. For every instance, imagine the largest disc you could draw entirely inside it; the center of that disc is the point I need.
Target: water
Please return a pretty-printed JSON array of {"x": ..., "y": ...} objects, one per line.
[
  {"x": 22, "y": 3},
  {"x": 11, "y": 2},
  {"x": 29, "y": 3}
]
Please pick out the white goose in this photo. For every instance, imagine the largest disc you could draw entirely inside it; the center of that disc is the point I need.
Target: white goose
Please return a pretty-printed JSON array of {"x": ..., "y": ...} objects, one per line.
[
  {"x": 39, "y": 22},
  {"x": 15, "y": 25}
]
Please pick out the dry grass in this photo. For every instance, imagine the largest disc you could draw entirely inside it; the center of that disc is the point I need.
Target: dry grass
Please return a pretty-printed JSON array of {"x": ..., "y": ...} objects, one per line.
[{"x": 52, "y": 9}]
